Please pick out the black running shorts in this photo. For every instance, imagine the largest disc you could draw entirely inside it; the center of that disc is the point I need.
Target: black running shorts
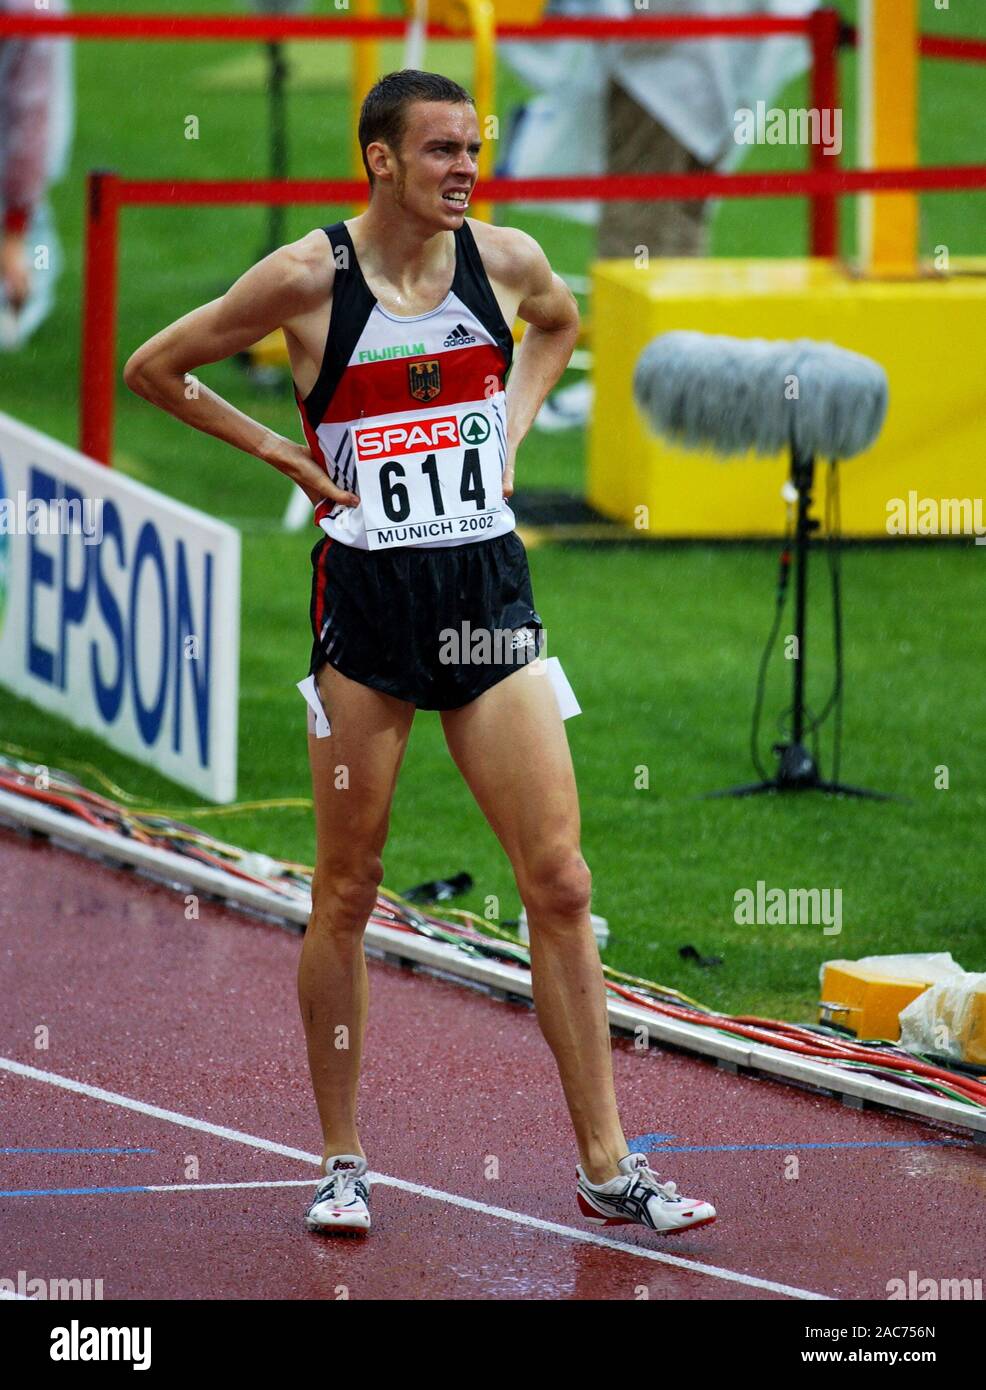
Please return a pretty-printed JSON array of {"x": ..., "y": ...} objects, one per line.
[{"x": 435, "y": 627}]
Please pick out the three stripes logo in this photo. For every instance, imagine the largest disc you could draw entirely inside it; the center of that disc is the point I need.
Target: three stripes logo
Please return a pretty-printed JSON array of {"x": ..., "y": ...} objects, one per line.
[{"x": 459, "y": 337}]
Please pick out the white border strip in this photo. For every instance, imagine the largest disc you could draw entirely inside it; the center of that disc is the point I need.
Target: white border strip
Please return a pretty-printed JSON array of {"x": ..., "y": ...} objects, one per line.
[
  {"x": 434, "y": 1194},
  {"x": 176, "y": 871}
]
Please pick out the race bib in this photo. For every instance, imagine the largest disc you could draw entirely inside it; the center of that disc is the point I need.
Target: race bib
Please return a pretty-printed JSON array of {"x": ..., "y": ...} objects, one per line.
[{"x": 428, "y": 476}]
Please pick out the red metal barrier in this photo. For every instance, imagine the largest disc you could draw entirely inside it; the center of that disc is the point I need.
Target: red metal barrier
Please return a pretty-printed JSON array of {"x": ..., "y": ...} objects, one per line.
[
  {"x": 824, "y": 96},
  {"x": 954, "y": 50},
  {"x": 107, "y": 193},
  {"x": 639, "y": 29},
  {"x": 784, "y": 183},
  {"x": 175, "y": 27},
  {"x": 97, "y": 382},
  {"x": 822, "y": 28}
]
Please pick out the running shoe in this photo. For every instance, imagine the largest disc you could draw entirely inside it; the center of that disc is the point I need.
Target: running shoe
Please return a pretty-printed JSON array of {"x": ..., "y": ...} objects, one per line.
[
  {"x": 342, "y": 1198},
  {"x": 637, "y": 1196}
]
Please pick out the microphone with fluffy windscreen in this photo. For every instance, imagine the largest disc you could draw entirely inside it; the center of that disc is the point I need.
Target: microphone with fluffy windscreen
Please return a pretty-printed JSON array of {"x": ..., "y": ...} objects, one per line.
[
  {"x": 737, "y": 395},
  {"x": 733, "y": 395}
]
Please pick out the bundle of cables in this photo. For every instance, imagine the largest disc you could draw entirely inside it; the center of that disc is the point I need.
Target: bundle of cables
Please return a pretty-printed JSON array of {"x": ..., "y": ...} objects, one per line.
[{"x": 119, "y": 813}]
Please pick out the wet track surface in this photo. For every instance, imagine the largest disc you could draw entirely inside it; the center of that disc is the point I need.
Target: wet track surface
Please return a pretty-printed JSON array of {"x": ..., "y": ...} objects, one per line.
[{"x": 459, "y": 1095}]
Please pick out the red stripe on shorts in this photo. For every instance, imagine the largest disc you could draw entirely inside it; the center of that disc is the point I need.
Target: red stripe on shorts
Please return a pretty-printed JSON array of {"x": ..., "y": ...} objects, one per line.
[{"x": 320, "y": 589}]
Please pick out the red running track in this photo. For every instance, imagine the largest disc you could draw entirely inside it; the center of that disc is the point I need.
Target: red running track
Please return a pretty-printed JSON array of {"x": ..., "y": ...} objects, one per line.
[{"x": 200, "y": 1018}]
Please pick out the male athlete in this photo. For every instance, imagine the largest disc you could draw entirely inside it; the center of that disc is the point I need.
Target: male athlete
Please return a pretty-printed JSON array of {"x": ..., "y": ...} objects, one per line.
[{"x": 398, "y": 326}]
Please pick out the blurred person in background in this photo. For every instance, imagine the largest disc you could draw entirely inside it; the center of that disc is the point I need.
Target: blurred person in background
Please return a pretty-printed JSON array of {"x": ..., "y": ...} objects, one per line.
[
  {"x": 36, "y": 120},
  {"x": 642, "y": 108}
]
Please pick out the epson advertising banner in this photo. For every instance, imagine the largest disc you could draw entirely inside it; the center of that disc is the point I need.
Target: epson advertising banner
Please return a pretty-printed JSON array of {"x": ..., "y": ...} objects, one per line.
[{"x": 119, "y": 610}]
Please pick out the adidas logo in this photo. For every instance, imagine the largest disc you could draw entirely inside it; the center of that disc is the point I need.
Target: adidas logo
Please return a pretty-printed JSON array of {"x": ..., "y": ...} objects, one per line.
[{"x": 459, "y": 337}]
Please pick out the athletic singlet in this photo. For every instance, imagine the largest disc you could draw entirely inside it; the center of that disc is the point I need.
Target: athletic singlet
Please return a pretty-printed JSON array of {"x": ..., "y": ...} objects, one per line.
[{"x": 397, "y": 390}]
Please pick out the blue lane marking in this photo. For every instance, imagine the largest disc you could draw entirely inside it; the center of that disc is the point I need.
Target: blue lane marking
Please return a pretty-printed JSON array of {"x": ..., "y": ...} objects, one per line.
[
  {"x": 642, "y": 1143},
  {"x": 10, "y": 1150},
  {"x": 69, "y": 1191},
  {"x": 639, "y": 1145}
]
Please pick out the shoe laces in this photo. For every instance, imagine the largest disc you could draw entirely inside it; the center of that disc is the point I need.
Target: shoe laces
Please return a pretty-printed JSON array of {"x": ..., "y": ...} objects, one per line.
[
  {"x": 328, "y": 1188},
  {"x": 333, "y": 1185},
  {"x": 667, "y": 1191}
]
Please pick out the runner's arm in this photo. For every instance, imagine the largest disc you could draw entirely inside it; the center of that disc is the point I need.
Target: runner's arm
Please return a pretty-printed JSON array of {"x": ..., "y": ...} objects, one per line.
[
  {"x": 267, "y": 296},
  {"x": 549, "y": 309}
]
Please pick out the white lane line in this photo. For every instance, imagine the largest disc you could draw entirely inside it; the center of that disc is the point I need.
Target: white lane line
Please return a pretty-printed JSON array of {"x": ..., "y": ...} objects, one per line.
[
  {"x": 432, "y": 1193},
  {"x": 571, "y": 1233},
  {"x": 172, "y": 1116}
]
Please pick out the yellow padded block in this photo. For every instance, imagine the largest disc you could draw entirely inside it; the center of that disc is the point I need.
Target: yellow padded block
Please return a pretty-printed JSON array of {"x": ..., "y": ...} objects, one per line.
[
  {"x": 929, "y": 335},
  {"x": 865, "y": 1000}
]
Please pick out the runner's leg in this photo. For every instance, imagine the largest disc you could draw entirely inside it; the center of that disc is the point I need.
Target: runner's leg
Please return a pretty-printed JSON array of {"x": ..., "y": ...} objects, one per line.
[
  {"x": 354, "y": 772},
  {"x": 511, "y": 748}
]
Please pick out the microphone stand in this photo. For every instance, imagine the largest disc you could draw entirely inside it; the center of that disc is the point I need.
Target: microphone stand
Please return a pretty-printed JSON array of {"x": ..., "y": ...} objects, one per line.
[
  {"x": 797, "y": 770},
  {"x": 277, "y": 69}
]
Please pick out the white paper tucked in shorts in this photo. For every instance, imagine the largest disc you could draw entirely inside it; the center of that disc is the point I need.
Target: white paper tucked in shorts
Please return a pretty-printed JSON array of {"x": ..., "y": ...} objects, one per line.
[
  {"x": 567, "y": 702},
  {"x": 318, "y": 723}
]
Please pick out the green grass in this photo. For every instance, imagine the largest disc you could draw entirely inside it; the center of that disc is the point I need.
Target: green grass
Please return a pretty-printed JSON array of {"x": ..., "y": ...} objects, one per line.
[{"x": 660, "y": 646}]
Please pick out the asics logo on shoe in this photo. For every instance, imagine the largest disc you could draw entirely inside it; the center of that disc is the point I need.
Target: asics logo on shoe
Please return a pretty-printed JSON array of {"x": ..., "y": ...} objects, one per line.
[
  {"x": 642, "y": 1199},
  {"x": 459, "y": 337}
]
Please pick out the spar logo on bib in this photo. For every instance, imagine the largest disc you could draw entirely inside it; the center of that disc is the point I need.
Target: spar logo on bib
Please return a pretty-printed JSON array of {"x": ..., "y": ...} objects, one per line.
[
  {"x": 475, "y": 428},
  {"x": 411, "y": 437}
]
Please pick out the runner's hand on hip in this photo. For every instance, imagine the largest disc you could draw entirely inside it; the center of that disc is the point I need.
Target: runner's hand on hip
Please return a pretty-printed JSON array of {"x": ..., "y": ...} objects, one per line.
[{"x": 296, "y": 463}]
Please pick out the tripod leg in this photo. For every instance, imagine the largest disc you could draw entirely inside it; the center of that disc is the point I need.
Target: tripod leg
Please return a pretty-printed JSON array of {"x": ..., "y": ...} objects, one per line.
[
  {"x": 752, "y": 789},
  {"x": 837, "y": 789}
]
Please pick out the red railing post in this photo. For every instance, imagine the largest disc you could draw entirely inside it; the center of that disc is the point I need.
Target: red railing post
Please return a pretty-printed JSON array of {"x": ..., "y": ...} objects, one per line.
[
  {"x": 98, "y": 372},
  {"x": 824, "y": 38}
]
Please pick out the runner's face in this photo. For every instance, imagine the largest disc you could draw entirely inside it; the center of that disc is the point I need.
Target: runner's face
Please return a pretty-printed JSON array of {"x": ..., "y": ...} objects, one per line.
[{"x": 437, "y": 162}]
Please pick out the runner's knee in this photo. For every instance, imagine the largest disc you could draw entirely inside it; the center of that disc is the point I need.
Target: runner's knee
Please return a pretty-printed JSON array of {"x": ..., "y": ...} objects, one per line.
[
  {"x": 344, "y": 893},
  {"x": 558, "y": 883}
]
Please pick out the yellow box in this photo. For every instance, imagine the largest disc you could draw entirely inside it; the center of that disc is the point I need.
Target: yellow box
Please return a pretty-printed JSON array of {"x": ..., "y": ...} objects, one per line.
[
  {"x": 864, "y": 999},
  {"x": 929, "y": 335},
  {"x": 867, "y": 1000}
]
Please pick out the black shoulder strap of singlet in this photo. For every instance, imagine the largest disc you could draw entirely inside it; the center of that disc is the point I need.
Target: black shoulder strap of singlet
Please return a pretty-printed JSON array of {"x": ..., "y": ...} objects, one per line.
[
  {"x": 472, "y": 285},
  {"x": 352, "y": 304}
]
